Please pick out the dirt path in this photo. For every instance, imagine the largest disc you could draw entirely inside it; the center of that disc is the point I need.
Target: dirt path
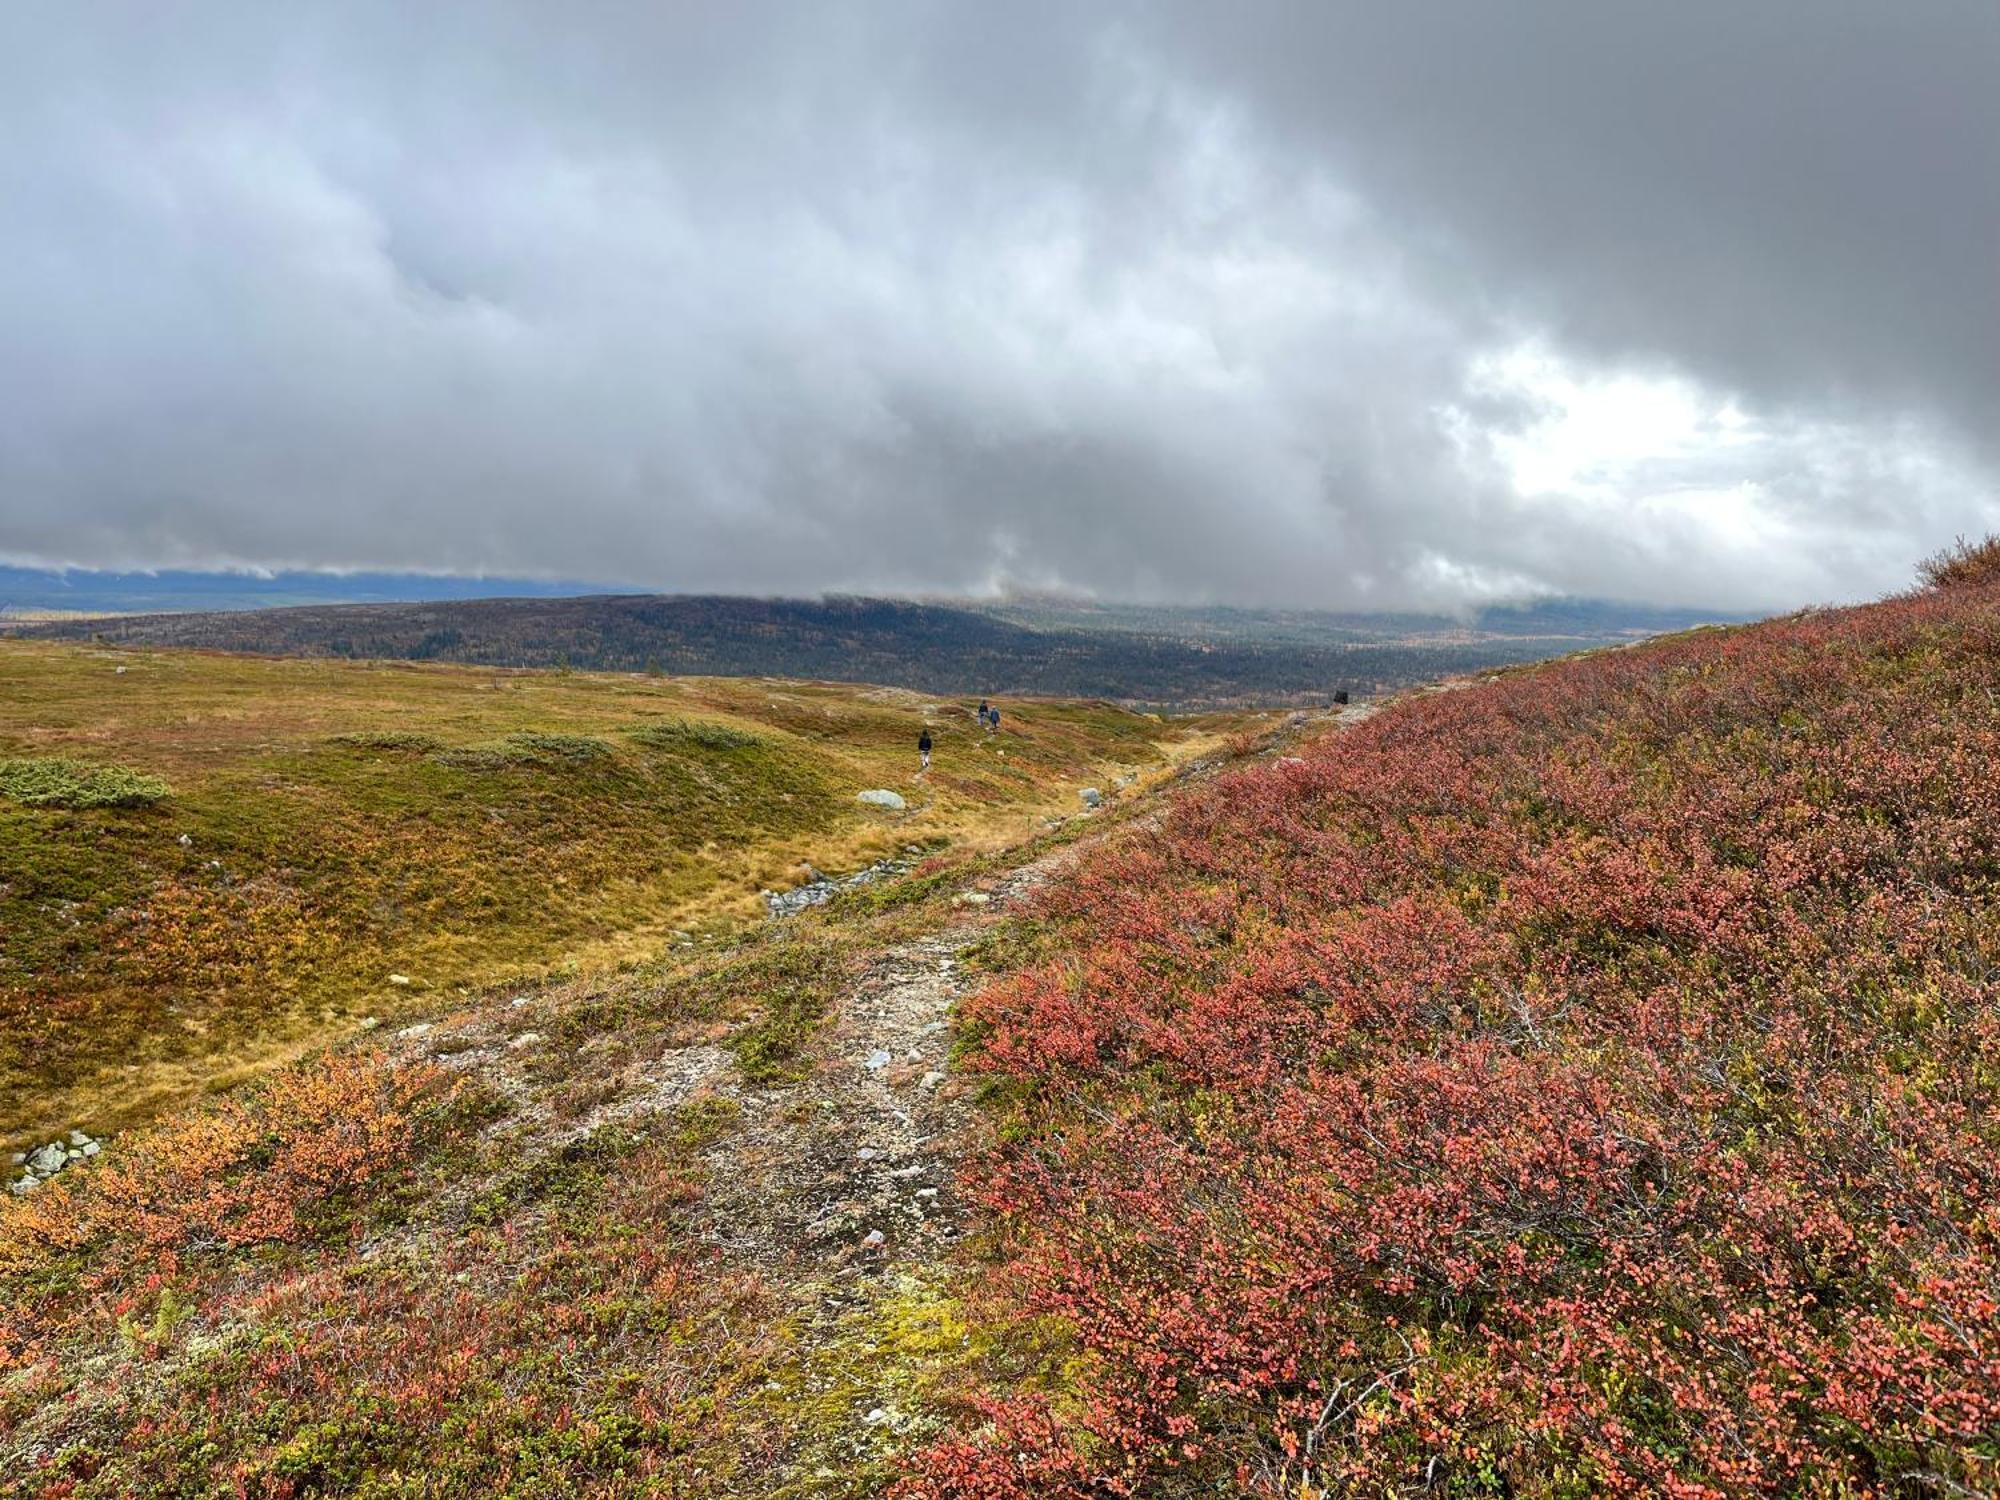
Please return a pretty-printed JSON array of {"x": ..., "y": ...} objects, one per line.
[{"x": 849, "y": 1171}]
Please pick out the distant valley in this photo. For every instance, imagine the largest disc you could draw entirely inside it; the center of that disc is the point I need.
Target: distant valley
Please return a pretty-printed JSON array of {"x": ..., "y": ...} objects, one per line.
[{"x": 1145, "y": 655}]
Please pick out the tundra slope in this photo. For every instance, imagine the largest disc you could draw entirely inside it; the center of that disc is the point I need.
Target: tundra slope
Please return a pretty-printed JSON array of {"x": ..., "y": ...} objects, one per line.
[
  {"x": 681, "y": 1230},
  {"x": 211, "y": 863},
  {"x": 1580, "y": 1083}
]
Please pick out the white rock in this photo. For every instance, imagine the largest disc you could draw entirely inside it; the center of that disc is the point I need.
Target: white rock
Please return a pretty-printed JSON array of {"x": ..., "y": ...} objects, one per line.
[
  {"x": 876, "y": 1060},
  {"x": 927, "y": 1192},
  {"x": 932, "y": 1079},
  {"x": 526, "y": 1039},
  {"x": 422, "y": 1028},
  {"x": 883, "y": 797},
  {"x": 875, "y": 1238},
  {"x": 91, "y": 1148},
  {"x": 399, "y": 979},
  {"x": 1090, "y": 796},
  {"x": 185, "y": 841},
  {"x": 369, "y": 1023},
  {"x": 26, "y": 1185}
]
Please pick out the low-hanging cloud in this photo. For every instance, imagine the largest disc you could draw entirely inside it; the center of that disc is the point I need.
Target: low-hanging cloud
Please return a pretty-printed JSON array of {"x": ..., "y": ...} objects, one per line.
[{"x": 1305, "y": 305}]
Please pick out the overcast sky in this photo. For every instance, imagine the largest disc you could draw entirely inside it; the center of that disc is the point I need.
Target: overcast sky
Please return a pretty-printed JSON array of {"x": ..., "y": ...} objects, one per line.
[{"x": 1331, "y": 304}]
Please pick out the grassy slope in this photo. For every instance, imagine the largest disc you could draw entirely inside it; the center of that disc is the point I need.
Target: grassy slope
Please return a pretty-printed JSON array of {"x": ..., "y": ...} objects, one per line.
[{"x": 346, "y": 821}]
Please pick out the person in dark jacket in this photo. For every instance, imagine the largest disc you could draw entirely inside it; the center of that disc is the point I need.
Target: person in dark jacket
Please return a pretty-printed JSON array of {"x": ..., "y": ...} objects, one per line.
[{"x": 924, "y": 747}]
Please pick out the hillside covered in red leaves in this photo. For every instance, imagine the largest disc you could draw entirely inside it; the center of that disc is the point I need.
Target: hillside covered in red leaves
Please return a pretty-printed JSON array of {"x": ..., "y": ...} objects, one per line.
[{"x": 1580, "y": 1083}]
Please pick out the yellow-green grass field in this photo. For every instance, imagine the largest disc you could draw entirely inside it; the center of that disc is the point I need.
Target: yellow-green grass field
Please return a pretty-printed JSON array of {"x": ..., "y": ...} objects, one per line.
[{"x": 209, "y": 863}]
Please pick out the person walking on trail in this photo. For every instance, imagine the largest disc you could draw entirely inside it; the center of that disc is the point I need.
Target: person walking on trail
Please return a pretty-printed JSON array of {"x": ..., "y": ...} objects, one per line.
[
  {"x": 992, "y": 718},
  {"x": 983, "y": 712},
  {"x": 924, "y": 747}
]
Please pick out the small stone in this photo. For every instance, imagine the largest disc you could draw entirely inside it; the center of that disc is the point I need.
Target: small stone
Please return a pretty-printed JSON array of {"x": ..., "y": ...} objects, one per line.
[
  {"x": 866, "y": 1153},
  {"x": 878, "y": 1059},
  {"x": 422, "y": 1028},
  {"x": 78, "y": 1138},
  {"x": 931, "y": 1079},
  {"x": 185, "y": 841},
  {"x": 399, "y": 979},
  {"x": 927, "y": 1192},
  {"x": 1090, "y": 796},
  {"x": 526, "y": 1039},
  {"x": 977, "y": 898},
  {"x": 875, "y": 1417},
  {"x": 369, "y": 1023},
  {"x": 91, "y": 1148},
  {"x": 518, "y": 1001},
  {"x": 874, "y": 1240},
  {"x": 26, "y": 1185}
]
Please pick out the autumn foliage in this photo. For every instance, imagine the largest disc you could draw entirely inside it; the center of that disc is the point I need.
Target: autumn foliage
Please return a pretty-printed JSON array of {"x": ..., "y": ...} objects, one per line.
[
  {"x": 248, "y": 1170},
  {"x": 1581, "y": 1083}
]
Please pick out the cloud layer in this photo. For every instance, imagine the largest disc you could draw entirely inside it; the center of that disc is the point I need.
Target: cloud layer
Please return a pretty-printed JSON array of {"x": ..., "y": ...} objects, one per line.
[{"x": 1310, "y": 305}]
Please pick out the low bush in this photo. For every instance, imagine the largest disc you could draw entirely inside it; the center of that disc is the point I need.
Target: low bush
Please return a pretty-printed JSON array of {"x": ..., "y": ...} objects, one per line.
[
  {"x": 55, "y": 781},
  {"x": 529, "y": 748},
  {"x": 390, "y": 739},
  {"x": 701, "y": 734},
  {"x": 1963, "y": 563},
  {"x": 1585, "y": 1083}
]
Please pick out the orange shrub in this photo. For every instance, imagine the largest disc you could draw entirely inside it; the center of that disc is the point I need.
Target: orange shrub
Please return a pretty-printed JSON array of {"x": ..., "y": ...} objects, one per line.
[{"x": 245, "y": 1170}]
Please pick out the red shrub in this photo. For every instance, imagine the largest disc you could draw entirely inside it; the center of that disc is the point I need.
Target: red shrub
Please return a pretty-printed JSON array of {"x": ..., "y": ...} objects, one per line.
[{"x": 1579, "y": 1084}]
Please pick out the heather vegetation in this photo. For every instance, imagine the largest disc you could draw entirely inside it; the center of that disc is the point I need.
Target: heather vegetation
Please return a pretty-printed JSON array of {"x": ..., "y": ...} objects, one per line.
[
  {"x": 208, "y": 864},
  {"x": 1580, "y": 1084}
]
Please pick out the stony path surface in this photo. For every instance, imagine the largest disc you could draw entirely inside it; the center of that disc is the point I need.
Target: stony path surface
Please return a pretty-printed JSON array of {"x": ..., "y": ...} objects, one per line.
[{"x": 849, "y": 1171}]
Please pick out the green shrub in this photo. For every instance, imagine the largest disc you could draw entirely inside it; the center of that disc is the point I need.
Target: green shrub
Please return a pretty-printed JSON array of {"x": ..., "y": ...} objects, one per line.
[
  {"x": 528, "y": 748},
  {"x": 54, "y": 781},
  {"x": 389, "y": 739},
  {"x": 675, "y": 734}
]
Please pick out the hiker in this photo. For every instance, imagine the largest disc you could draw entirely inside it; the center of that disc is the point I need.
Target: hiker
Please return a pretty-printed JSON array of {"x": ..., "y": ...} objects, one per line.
[
  {"x": 924, "y": 747},
  {"x": 992, "y": 718},
  {"x": 983, "y": 712}
]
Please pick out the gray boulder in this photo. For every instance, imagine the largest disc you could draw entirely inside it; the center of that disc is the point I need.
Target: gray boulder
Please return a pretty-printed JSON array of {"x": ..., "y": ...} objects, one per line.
[
  {"x": 47, "y": 1160},
  {"x": 883, "y": 797},
  {"x": 1090, "y": 796}
]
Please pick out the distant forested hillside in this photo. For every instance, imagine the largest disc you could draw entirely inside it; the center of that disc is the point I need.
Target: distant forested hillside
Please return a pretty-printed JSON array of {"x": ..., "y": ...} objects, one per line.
[{"x": 1152, "y": 656}]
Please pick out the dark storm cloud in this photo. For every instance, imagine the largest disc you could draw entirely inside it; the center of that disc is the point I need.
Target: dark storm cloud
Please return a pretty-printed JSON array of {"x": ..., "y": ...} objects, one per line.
[{"x": 1318, "y": 305}]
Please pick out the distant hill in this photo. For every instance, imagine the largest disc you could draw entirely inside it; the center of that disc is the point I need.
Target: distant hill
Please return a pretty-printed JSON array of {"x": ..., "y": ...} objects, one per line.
[
  {"x": 1127, "y": 653},
  {"x": 38, "y": 591}
]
